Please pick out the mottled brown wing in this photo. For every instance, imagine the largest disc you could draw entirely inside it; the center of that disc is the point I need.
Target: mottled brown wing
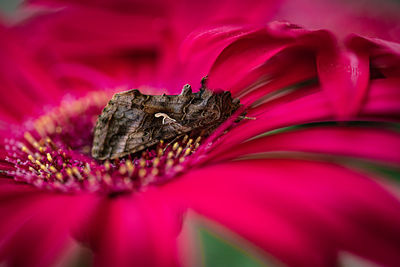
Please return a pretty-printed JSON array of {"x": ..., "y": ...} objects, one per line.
[
  {"x": 132, "y": 121},
  {"x": 128, "y": 124}
]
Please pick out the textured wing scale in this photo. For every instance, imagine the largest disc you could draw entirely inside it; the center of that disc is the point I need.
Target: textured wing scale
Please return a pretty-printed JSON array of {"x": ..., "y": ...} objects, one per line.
[{"x": 129, "y": 123}]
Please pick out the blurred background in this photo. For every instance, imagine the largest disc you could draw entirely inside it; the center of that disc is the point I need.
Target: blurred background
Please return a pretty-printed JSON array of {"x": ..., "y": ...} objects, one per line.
[
  {"x": 368, "y": 17},
  {"x": 90, "y": 44},
  {"x": 87, "y": 44}
]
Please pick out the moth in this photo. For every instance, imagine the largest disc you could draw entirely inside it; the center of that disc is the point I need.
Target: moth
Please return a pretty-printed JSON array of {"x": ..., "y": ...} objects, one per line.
[{"x": 132, "y": 121}]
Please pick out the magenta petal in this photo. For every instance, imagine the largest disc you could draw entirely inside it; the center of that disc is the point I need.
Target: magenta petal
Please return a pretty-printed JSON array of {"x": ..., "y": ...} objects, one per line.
[
  {"x": 287, "y": 69},
  {"x": 241, "y": 56},
  {"x": 23, "y": 64},
  {"x": 266, "y": 229},
  {"x": 251, "y": 51},
  {"x": 130, "y": 233},
  {"x": 344, "y": 76},
  {"x": 9, "y": 188},
  {"x": 309, "y": 211},
  {"x": 39, "y": 227},
  {"x": 202, "y": 47},
  {"x": 212, "y": 38},
  {"x": 310, "y": 108},
  {"x": 236, "y": 51},
  {"x": 383, "y": 99},
  {"x": 365, "y": 143},
  {"x": 103, "y": 31},
  {"x": 384, "y": 55}
]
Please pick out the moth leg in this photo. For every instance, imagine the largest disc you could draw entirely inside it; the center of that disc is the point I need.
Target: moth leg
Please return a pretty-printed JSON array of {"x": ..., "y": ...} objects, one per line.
[
  {"x": 246, "y": 118},
  {"x": 173, "y": 140}
]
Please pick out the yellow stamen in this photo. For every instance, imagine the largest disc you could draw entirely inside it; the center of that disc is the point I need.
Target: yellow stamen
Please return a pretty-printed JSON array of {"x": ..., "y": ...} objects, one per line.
[
  {"x": 32, "y": 169},
  {"x": 59, "y": 176},
  {"x": 77, "y": 173},
  {"x": 107, "y": 165},
  {"x": 175, "y": 146},
  {"x": 187, "y": 152},
  {"x": 198, "y": 139},
  {"x": 53, "y": 169},
  {"x": 154, "y": 171},
  {"x": 26, "y": 150},
  {"x": 160, "y": 152},
  {"x": 142, "y": 173},
  {"x": 142, "y": 163},
  {"x": 51, "y": 143},
  {"x": 122, "y": 169},
  {"x": 69, "y": 173},
  {"x": 130, "y": 167},
  {"x": 156, "y": 161},
  {"x": 30, "y": 157},
  {"x": 189, "y": 142},
  {"x": 170, "y": 163},
  {"x": 179, "y": 151}
]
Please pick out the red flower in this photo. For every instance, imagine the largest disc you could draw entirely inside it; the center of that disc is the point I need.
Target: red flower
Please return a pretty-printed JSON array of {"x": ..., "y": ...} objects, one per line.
[
  {"x": 134, "y": 42},
  {"x": 293, "y": 181}
]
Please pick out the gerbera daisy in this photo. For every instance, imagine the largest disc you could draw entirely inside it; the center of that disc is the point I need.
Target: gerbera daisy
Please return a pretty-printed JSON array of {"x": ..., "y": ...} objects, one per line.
[{"x": 295, "y": 182}]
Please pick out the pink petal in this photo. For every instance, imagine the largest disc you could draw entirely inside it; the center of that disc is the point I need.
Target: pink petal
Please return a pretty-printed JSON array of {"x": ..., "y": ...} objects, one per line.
[
  {"x": 127, "y": 230},
  {"x": 307, "y": 109},
  {"x": 250, "y": 51},
  {"x": 200, "y": 48},
  {"x": 26, "y": 83},
  {"x": 287, "y": 69},
  {"x": 383, "y": 99},
  {"x": 344, "y": 76},
  {"x": 362, "y": 142},
  {"x": 384, "y": 55},
  {"x": 306, "y": 211},
  {"x": 241, "y": 56},
  {"x": 38, "y": 226},
  {"x": 370, "y": 18}
]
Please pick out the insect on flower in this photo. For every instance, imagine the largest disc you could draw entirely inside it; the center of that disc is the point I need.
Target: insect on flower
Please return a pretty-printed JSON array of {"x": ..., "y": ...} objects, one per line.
[
  {"x": 132, "y": 121},
  {"x": 294, "y": 182}
]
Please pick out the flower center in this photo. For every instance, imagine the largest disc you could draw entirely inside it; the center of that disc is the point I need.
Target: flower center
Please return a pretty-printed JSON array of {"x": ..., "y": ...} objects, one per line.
[{"x": 53, "y": 152}]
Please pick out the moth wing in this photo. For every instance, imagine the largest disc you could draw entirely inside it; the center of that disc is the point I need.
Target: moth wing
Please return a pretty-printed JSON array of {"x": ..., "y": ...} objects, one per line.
[{"x": 120, "y": 117}]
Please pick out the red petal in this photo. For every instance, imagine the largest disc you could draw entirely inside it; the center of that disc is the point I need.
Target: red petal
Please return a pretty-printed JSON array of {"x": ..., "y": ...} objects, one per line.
[
  {"x": 131, "y": 231},
  {"x": 383, "y": 99},
  {"x": 307, "y": 109},
  {"x": 344, "y": 76},
  {"x": 362, "y": 142},
  {"x": 384, "y": 55},
  {"x": 38, "y": 227},
  {"x": 305, "y": 211}
]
